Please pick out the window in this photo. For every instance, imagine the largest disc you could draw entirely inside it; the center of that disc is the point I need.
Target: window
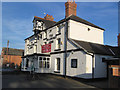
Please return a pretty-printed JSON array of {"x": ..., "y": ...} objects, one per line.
[
  {"x": 40, "y": 62},
  {"x": 57, "y": 66},
  {"x": 58, "y": 30},
  {"x": 41, "y": 36},
  {"x": 27, "y": 61},
  {"x": 58, "y": 43},
  {"x": 44, "y": 62},
  {"x": 45, "y": 34},
  {"x": 73, "y": 63},
  {"x": 48, "y": 63},
  {"x": 35, "y": 48}
]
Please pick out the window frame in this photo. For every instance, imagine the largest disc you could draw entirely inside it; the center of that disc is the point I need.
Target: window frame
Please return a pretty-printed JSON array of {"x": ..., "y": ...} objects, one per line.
[
  {"x": 44, "y": 62},
  {"x": 58, "y": 43},
  {"x": 57, "y": 68},
  {"x": 72, "y": 65}
]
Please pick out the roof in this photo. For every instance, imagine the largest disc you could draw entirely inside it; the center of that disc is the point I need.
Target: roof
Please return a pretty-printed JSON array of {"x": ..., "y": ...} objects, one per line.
[
  {"x": 116, "y": 50},
  {"x": 48, "y": 23},
  {"x": 94, "y": 48},
  {"x": 12, "y": 51},
  {"x": 78, "y": 19}
]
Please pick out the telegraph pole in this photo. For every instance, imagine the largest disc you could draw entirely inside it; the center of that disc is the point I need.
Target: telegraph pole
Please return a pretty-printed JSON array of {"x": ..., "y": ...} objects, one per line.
[{"x": 7, "y": 51}]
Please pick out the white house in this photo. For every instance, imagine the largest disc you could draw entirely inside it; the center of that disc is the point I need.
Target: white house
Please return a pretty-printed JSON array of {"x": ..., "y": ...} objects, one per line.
[{"x": 72, "y": 46}]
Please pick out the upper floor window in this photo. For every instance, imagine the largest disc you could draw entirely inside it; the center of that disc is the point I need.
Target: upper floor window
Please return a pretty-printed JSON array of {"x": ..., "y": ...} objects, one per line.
[
  {"x": 45, "y": 34},
  {"x": 58, "y": 43},
  {"x": 35, "y": 48},
  {"x": 58, "y": 30}
]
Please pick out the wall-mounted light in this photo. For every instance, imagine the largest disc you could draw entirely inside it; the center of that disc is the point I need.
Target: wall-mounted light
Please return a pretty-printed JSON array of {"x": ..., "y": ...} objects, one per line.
[
  {"x": 61, "y": 42},
  {"x": 88, "y": 29},
  {"x": 72, "y": 52}
]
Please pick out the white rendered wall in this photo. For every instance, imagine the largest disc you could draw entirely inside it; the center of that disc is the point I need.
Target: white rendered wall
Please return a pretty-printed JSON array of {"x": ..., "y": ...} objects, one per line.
[
  {"x": 89, "y": 66},
  {"x": 80, "y": 31},
  {"x": 100, "y": 68},
  {"x": 80, "y": 71},
  {"x": 53, "y": 58}
]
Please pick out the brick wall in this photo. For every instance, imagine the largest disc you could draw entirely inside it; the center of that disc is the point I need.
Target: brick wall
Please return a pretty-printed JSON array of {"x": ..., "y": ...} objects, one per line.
[
  {"x": 12, "y": 59},
  {"x": 115, "y": 70}
]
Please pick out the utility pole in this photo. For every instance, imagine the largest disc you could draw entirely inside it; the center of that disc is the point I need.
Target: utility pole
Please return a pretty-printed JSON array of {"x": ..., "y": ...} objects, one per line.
[{"x": 7, "y": 51}]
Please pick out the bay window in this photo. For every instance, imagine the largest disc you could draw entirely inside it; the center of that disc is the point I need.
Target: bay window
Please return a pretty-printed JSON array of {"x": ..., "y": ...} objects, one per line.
[{"x": 44, "y": 62}]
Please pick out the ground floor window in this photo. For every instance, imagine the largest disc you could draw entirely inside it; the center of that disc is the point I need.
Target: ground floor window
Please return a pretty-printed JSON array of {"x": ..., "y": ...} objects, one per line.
[
  {"x": 57, "y": 64},
  {"x": 44, "y": 62},
  {"x": 73, "y": 63},
  {"x": 27, "y": 61}
]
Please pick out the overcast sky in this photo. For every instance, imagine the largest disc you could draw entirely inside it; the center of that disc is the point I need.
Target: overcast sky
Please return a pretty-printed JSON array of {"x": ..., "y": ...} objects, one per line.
[{"x": 17, "y": 19}]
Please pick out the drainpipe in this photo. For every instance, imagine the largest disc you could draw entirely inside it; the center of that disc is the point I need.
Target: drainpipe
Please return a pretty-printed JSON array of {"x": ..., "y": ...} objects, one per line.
[
  {"x": 66, "y": 38},
  {"x": 93, "y": 66}
]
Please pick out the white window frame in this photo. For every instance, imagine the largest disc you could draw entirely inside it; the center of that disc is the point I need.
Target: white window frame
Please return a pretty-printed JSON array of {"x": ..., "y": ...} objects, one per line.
[
  {"x": 58, "y": 30},
  {"x": 58, "y": 45},
  {"x": 56, "y": 64},
  {"x": 45, "y": 66},
  {"x": 45, "y": 34}
]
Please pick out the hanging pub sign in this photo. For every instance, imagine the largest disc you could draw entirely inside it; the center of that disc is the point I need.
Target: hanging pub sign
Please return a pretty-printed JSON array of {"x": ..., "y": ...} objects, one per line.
[{"x": 46, "y": 48}]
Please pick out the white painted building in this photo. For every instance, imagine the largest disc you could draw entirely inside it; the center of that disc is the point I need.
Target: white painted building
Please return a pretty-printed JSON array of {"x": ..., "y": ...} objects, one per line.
[{"x": 71, "y": 46}]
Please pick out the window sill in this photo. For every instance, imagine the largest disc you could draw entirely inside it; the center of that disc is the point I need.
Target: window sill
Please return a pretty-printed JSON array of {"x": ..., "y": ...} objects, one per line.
[
  {"x": 58, "y": 34},
  {"x": 57, "y": 49},
  {"x": 56, "y": 71},
  {"x": 45, "y": 39}
]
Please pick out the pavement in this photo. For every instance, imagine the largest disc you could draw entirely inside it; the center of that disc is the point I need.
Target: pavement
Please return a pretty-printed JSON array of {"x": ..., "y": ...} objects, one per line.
[{"x": 40, "y": 81}]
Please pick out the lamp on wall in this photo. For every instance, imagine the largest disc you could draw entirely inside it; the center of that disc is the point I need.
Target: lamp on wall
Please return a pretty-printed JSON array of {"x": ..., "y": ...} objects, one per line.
[
  {"x": 61, "y": 42},
  {"x": 72, "y": 52}
]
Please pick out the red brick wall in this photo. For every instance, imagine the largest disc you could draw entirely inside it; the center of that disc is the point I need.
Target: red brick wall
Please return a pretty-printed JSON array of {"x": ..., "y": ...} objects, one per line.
[
  {"x": 70, "y": 8},
  {"x": 116, "y": 70},
  {"x": 12, "y": 59}
]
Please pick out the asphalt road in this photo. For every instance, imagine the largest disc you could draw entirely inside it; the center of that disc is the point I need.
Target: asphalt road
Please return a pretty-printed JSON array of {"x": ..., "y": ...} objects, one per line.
[{"x": 41, "y": 81}]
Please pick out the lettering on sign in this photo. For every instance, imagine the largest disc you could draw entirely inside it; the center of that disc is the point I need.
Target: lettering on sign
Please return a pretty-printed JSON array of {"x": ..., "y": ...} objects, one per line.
[{"x": 46, "y": 48}]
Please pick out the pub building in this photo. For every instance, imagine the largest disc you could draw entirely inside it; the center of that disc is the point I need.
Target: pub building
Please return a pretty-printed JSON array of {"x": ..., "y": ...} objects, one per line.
[{"x": 70, "y": 47}]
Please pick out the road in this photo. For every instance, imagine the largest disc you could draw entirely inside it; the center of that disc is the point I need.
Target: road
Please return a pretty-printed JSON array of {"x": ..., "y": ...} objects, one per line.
[{"x": 44, "y": 81}]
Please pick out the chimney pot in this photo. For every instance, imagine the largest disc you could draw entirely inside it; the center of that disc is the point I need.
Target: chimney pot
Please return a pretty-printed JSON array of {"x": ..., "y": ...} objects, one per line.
[{"x": 49, "y": 17}]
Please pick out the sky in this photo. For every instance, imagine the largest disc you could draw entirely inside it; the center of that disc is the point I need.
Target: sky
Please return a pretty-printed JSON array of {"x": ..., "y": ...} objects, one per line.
[{"x": 17, "y": 19}]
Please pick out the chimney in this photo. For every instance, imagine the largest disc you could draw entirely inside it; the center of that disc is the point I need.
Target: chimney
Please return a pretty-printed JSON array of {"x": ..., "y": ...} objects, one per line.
[
  {"x": 119, "y": 40},
  {"x": 70, "y": 8},
  {"x": 49, "y": 17}
]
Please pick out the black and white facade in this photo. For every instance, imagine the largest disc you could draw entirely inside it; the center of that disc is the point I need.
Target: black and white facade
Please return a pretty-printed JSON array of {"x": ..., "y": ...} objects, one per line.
[{"x": 71, "y": 46}]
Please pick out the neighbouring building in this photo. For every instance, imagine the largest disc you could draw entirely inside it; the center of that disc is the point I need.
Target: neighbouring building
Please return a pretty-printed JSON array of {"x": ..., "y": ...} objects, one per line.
[
  {"x": 71, "y": 47},
  {"x": 0, "y": 62},
  {"x": 11, "y": 57},
  {"x": 114, "y": 67}
]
